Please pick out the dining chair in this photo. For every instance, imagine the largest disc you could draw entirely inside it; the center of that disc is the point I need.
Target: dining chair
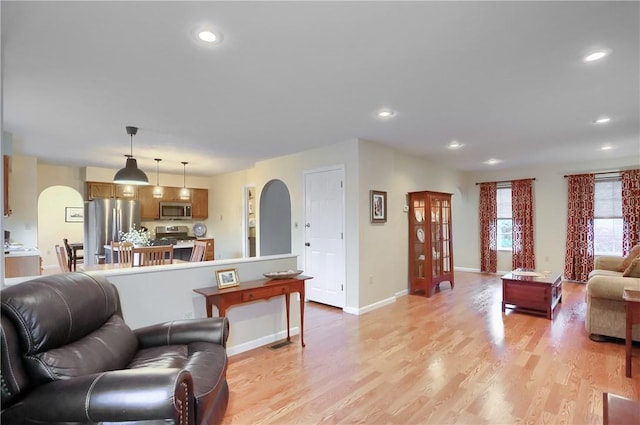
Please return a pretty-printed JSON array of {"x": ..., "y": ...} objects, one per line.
[
  {"x": 124, "y": 252},
  {"x": 198, "y": 252},
  {"x": 152, "y": 255},
  {"x": 72, "y": 255},
  {"x": 62, "y": 259}
]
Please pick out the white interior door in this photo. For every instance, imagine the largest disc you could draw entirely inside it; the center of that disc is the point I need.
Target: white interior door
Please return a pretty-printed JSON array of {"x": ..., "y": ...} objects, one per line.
[{"x": 324, "y": 236}]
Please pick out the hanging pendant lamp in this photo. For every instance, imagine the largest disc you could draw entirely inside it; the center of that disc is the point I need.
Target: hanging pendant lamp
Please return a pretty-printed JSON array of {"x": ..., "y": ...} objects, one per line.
[
  {"x": 184, "y": 192},
  {"x": 131, "y": 174},
  {"x": 157, "y": 191}
]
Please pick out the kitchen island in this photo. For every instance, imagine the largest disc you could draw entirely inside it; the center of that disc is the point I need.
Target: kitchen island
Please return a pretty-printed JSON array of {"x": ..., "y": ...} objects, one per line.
[{"x": 22, "y": 262}]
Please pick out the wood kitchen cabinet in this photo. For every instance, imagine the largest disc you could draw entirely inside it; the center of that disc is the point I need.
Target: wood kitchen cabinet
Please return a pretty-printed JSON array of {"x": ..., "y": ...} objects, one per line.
[
  {"x": 105, "y": 190},
  {"x": 430, "y": 243},
  {"x": 209, "y": 254},
  {"x": 149, "y": 206},
  {"x": 5, "y": 185},
  {"x": 200, "y": 203},
  {"x": 18, "y": 266}
]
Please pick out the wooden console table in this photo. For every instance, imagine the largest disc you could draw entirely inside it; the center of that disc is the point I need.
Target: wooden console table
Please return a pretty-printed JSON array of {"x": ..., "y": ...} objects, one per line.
[{"x": 256, "y": 290}]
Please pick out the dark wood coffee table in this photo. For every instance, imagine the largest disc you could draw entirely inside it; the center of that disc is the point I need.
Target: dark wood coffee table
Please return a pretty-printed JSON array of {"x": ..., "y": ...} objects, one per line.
[
  {"x": 532, "y": 292},
  {"x": 618, "y": 410}
]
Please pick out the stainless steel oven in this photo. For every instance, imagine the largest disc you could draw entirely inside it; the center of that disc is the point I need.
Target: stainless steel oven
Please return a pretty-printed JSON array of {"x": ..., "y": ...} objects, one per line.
[{"x": 175, "y": 211}]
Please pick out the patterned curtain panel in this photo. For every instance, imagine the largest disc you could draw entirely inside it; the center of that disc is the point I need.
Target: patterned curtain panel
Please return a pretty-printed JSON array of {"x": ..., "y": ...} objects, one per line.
[
  {"x": 488, "y": 228},
  {"x": 523, "y": 254},
  {"x": 578, "y": 260},
  {"x": 630, "y": 210}
]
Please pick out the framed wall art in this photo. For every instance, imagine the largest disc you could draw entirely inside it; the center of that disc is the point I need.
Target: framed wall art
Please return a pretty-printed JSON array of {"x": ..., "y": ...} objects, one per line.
[
  {"x": 73, "y": 214},
  {"x": 378, "y": 206}
]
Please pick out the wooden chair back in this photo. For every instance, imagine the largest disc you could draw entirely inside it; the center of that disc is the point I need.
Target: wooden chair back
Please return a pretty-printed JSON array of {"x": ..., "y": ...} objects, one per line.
[
  {"x": 122, "y": 251},
  {"x": 198, "y": 252},
  {"x": 62, "y": 259},
  {"x": 153, "y": 255}
]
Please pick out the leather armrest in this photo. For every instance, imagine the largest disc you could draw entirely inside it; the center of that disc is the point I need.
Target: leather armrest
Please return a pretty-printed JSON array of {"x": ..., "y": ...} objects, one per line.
[
  {"x": 115, "y": 396},
  {"x": 214, "y": 330}
]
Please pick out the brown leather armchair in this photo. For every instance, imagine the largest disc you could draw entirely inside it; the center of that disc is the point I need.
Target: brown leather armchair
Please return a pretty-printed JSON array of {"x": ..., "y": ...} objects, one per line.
[{"x": 68, "y": 357}]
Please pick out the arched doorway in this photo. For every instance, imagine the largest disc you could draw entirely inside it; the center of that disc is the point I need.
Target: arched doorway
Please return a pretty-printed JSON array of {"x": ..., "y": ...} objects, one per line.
[
  {"x": 52, "y": 226},
  {"x": 275, "y": 219}
]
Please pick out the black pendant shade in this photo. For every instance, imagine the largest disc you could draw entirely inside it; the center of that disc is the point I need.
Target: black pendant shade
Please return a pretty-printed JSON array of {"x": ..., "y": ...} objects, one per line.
[{"x": 131, "y": 174}]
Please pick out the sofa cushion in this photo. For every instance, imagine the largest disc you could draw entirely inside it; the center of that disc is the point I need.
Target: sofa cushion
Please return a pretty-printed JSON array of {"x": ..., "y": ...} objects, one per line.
[
  {"x": 634, "y": 269},
  {"x": 635, "y": 251}
]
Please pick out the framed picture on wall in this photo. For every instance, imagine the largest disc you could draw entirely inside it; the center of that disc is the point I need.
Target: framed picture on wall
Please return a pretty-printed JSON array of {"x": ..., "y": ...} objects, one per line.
[
  {"x": 378, "y": 206},
  {"x": 73, "y": 214}
]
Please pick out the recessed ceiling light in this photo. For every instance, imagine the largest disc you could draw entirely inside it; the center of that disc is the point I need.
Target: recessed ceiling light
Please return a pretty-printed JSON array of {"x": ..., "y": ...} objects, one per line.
[
  {"x": 606, "y": 148},
  {"x": 385, "y": 113},
  {"x": 594, "y": 56},
  {"x": 454, "y": 144},
  {"x": 602, "y": 120},
  {"x": 492, "y": 161},
  {"x": 209, "y": 36}
]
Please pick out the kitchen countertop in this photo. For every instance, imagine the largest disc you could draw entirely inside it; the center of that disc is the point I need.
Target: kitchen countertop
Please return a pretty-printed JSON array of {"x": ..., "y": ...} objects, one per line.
[
  {"x": 181, "y": 245},
  {"x": 22, "y": 252}
]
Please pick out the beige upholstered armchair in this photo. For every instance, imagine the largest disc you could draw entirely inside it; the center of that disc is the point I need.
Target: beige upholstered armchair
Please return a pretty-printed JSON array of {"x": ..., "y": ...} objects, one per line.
[{"x": 605, "y": 307}]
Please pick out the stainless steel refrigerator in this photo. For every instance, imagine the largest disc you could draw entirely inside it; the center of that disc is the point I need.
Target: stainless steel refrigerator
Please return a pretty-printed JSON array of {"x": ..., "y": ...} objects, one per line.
[{"x": 104, "y": 220}]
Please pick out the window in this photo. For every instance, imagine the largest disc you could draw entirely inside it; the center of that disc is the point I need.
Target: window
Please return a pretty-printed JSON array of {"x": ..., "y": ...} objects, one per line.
[
  {"x": 503, "y": 199},
  {"x": 607, "y": 217}
]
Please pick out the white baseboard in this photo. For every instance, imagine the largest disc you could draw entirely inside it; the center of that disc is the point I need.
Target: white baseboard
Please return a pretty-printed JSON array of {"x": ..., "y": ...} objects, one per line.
[
  {"x": 466, "y": 269},
  {"x": 265, "y": 340},
  {"x": 370, "y": 307}
]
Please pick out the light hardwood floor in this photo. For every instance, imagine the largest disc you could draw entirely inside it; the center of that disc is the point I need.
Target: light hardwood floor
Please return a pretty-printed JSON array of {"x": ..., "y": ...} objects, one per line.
[{"x": 454, "y": 358}]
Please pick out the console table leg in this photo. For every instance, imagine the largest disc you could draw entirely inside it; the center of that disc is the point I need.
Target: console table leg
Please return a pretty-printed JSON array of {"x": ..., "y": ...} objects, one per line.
[
  {"x": 287, "y": 303},
  {"x": 302, "y": 315}
]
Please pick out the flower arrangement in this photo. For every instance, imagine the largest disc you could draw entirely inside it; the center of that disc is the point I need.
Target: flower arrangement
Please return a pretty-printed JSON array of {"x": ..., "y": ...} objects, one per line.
[{"x": 137, "y": 237}]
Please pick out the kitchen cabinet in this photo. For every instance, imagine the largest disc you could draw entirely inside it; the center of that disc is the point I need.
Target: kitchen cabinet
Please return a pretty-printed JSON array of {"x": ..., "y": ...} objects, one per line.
[
  {"x": 149, "y": 206},
  {"x": 22, "y": 265},
  {"x": 200, "y": 203},
  {"x": 210, "y": 252},
  {"x": 5, "y": 185},
  {"x": 105, "y": 190},
  {"x": 430, "y": 243}
]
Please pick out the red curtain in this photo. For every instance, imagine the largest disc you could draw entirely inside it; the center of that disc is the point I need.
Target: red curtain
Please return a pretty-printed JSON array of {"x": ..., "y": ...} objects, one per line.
[
  {"x": 630, "y": 210},
  {"x": 488, "y": 228},
  {"x": 523, "y": 255},
  {"x": 578, "y": 261}
]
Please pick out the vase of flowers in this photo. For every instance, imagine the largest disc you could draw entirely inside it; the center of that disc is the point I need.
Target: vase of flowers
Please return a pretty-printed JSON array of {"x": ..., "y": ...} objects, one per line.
[{"x": 138, "y": 237}]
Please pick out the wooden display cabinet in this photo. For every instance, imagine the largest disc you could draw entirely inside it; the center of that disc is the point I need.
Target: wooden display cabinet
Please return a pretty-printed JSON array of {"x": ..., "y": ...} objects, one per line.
[{"x": 430, "y": 244}]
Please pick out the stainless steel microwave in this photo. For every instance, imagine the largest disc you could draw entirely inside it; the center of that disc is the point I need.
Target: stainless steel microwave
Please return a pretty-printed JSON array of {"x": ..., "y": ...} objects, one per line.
[{"x": 175, "y": 211}]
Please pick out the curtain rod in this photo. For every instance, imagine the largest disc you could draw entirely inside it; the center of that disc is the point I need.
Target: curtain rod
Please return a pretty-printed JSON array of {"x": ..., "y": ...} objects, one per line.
[
  {"x": 505, "y": 181},
  {"x": 595, "y": 174}
]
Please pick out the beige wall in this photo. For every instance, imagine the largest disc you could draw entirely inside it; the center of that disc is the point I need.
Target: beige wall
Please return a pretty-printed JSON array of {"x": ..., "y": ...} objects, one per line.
[
  {"x": 23, "y": 200},
  {"x": 384, "y": 247},
  {"x": 550, "y": 197}
]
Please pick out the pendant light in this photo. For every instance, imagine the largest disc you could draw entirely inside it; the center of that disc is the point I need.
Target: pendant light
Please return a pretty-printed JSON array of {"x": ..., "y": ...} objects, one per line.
[
  {"x": 131, "y": 174},
  {"x": 157, "y": 191},
  {"x": 184, "y": 192}
]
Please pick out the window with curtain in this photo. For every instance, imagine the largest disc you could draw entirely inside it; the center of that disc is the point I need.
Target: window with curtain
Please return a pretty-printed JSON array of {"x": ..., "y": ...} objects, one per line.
[
  {"x": 607, "y": 217},
  {"x": 505, "y": 222}
]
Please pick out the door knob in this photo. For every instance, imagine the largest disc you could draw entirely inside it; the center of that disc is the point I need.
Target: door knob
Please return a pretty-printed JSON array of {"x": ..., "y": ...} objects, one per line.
[
  {"x": 307, "y": 244},
  {"x": 307, "y": 225}
]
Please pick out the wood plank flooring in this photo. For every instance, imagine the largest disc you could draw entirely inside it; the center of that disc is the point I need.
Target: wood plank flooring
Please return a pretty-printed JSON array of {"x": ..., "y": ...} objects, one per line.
[{"x": 454, "y": 358}]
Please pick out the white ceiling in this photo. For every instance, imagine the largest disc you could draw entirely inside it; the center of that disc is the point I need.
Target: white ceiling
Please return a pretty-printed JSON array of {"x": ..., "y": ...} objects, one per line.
[{"x": 506, "y": 79}]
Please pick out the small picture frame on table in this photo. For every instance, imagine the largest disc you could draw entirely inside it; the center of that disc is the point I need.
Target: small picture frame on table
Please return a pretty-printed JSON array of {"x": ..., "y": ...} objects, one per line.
[
  {"x": 378, "y": 206},
  {"x": 227, "y": 278}
]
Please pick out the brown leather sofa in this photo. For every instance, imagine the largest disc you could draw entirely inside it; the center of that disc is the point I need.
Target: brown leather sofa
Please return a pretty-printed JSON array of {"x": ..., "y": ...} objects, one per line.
[{"x": 68, "y": 357}]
